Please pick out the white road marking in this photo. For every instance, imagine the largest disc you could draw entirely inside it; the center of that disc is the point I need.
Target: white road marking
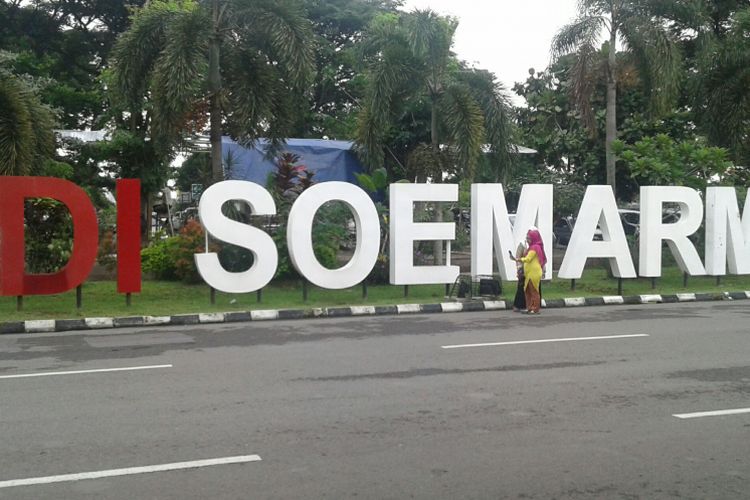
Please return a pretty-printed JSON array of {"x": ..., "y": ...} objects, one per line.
[
  {"x": 716, "y": 413},
  {"x": 77, "y": 372},
  {"x": 543, "y": 341},
  {"x": 129, "y": 471}
]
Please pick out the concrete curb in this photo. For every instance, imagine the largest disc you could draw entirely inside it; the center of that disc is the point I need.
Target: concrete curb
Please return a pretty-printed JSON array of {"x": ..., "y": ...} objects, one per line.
[{"x": 66, "y": 325}]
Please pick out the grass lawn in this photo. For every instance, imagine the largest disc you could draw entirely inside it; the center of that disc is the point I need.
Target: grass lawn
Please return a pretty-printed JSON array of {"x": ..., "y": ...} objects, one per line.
[{"x": 160, "y": 298}]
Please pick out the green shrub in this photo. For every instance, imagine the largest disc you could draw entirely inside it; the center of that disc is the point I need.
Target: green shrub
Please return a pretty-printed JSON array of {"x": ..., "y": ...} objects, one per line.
[
  {"x": 381, "y": 272},
  {"x": 106, "y": 255},
  {"x": 158, "y": 259},
  {"x": 50, "y": 243},
  {"x": 191, "y": 240},
  {"x": 326, "y": 256}
]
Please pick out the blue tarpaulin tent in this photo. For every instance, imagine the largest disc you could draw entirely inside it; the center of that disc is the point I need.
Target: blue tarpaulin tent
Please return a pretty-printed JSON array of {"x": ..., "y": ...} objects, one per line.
[{"x": 330, "y": 160}]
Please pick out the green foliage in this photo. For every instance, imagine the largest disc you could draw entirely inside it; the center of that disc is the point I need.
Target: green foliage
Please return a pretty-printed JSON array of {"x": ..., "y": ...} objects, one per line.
[
  {"x": 337, "y": 86},
  {"x": 106, "y": 255},
  {"x": 158, "y": 259},
  {"x": 26, "y": 124},
  {"x": 651, "y": 53},
  {"x": 381, "y": 272},
  {"x": 128, "y": 156},
  {"x": 551, "y": 124},
  {"x": 660, "y": 160},
  {"x": 326, "y": 255},
  {"x": 196, "y": 169},
  {"x": 48, "y": 235},
  {"x": 376, "y": 183},
  {"x": 423, "y": 107},
  {"x": 329, "y": 232},
  {"x": 568, "y": 195},
  {"x": 173, "y": 258},
  {"x": 719, "y": 83},
  {"x": 66, "y": 43},
  {"x": 172, "y": 63},
  {"x": 191, "y": 240}
]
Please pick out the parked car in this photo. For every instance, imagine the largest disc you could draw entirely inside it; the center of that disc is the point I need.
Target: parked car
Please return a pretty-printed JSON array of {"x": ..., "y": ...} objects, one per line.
[
  {"x": 631, "y": 220},
  {"x": 563, "y": 229}
]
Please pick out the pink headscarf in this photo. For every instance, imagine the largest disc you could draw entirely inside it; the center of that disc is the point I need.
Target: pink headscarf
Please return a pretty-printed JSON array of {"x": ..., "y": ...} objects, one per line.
[{"x": 536, "y": 244}]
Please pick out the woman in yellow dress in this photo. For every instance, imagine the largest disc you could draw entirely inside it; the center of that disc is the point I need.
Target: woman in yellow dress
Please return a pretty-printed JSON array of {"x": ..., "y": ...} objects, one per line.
[{"x": 534, "y": 261}]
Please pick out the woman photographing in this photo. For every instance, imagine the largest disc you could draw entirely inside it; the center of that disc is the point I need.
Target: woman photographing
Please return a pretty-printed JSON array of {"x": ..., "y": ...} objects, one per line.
[{"x": 533, "y": 261}]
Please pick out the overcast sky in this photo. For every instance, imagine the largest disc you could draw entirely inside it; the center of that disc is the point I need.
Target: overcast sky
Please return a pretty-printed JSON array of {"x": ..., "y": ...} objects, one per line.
[{"x": 506, "y": 37}]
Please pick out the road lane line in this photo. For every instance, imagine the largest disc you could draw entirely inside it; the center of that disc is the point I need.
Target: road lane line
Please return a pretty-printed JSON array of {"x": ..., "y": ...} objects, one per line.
[
  {"x": 543, "y": 341},
  {"x": 715, "y": 413},
  {"x": 129, "y": 471},
  {"x": 77, "y": 372}
]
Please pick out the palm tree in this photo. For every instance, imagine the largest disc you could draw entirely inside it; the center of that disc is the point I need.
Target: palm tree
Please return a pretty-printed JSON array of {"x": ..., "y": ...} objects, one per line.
[
  {"x": 721, "y": 96},
  {"x": 410, "y": 60},
  {"x": 26, "y": 126},
  {"x": 237, "y": 62},
  {"x": 639, "y": 27}
]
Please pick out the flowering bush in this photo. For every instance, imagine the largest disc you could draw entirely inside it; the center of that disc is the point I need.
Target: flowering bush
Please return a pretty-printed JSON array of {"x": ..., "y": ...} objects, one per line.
[
  {"x": 173, "y": 258},
  {"x": 106, "y": 255},
  {"x": 192, "y": 240}
]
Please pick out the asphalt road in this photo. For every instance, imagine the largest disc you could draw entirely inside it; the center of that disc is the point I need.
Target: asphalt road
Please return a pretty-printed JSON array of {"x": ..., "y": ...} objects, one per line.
[{"x": 377, "y": 408}]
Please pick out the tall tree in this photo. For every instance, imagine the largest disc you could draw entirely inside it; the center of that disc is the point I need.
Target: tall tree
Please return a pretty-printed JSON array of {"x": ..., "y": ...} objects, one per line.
[
  {"x": 722, "y": 78},
  {"x": 410, "y": 65},
  {"x": 26, "y": 137},
  {"x": 333, "y": 98},
  {"x": 639, "y": 27},
  {"x": 239, "y": 61},
  {"x": 67, "y": 41}
]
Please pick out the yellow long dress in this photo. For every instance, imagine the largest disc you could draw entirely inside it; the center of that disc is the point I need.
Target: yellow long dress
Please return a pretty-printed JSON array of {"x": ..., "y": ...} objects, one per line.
[{"x": 532, "y": 269}]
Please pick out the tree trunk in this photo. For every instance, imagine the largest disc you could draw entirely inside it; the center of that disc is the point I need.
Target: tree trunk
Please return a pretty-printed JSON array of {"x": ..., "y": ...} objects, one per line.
[
  {"x": 437, "y": 247},
  {"x": 146, "y": 208},
  {"x": 214, "y": 90},
  {"x": 611, "y": 105}
]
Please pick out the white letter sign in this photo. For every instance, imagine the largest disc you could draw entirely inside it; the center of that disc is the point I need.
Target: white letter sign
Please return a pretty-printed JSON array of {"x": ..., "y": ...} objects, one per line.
[
  {"x": 266, "y": 257},
  {"x": 491, "y": 227},
  {"x": 598, "y": 208},
  {"x": 404, "y": 232},
  {"x": 727, "y": 235},
  {"x": 299, "y": 235},
  {"x": 653, "y": 231}
]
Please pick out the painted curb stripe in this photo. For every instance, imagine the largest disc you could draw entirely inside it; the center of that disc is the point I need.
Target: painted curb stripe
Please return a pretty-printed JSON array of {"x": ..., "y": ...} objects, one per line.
[
  {"x": 211, "y": 318},
  {"x": 264, "y": 314},
  {"x": 407, "y": 308},
  {"x": 363, "y": 310},
  {"x": 575, "y": 302},
  {"x": 96, "y": 323},
  {"x": 650, "y": 299},
  {"x": 494, "y": 305},
  {"x": 156, "y": 320},
  {"x": 40, "y": 326},
  {"x": 448, "y": 307}
]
